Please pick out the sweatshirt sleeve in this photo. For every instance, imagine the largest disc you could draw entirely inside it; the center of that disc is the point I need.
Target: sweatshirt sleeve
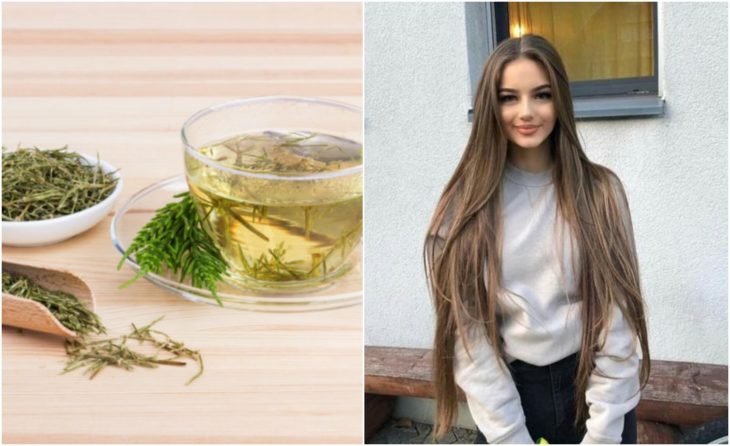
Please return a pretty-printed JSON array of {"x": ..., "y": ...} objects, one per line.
[
  {"x": 491, "y": 394},
  {"x": 613, "y": 388}
]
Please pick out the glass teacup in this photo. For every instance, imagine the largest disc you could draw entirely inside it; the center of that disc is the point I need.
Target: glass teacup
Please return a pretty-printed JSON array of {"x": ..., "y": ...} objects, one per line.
[{"x": 278, "y": 184}]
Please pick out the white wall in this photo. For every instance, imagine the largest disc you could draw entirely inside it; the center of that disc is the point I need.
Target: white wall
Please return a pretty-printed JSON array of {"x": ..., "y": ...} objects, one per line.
[
  {"x": 674, "y": 169},
  {"x": 416, "y": 99}
]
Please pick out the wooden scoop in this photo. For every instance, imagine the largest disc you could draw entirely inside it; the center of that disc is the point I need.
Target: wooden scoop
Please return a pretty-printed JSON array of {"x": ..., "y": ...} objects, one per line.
[{"x": 25, "y": 313}]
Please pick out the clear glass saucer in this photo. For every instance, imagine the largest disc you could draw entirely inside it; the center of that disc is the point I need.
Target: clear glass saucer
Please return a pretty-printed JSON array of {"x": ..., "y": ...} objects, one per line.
[{"x": 141, "y": 207}]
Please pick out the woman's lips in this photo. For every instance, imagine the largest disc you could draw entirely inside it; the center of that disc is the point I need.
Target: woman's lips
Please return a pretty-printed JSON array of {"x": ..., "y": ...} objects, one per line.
[{"x": 527, "y": 130}]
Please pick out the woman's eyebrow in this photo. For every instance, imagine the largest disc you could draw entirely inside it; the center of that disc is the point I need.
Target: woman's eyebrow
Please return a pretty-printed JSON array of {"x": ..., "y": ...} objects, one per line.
[{"x": 534, "y": 89}]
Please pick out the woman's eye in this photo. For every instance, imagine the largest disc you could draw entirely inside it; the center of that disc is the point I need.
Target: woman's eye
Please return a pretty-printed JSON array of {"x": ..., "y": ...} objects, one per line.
[{"x": 544, "y": 96}]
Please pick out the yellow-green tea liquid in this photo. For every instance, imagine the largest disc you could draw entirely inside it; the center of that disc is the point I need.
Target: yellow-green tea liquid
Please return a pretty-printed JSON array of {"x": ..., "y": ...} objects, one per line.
[{"x": 276, "y": 233}]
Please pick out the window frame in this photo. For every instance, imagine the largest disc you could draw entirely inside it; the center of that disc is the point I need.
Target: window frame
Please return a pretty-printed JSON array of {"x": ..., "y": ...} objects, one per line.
[{"x": 620, "y": 97}]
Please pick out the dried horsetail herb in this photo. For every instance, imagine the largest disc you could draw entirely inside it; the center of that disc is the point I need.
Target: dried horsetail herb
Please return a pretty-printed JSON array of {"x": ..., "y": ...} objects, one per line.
[
  {"x": 43, "y": 184},
  {"x": 67, "y": 308},
  {"x": 94, "y": 355},
  {"x": 97, "y": 355}
]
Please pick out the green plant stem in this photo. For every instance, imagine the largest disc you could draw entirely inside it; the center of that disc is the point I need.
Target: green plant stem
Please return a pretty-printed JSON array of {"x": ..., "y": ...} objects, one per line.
[{"x": 174, "y": 239}]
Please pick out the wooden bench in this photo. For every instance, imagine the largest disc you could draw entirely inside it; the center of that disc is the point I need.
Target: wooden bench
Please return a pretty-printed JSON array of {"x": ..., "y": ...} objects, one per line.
[{"x": 678, "y": 393}]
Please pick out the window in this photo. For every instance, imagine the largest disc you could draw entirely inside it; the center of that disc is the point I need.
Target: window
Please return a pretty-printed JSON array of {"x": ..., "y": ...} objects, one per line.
[{"x": 609, "y": 49}]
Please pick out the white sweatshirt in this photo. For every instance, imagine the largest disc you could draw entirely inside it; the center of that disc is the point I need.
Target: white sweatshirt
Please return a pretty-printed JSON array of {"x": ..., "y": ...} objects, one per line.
[{"x": 541, "y": 322}]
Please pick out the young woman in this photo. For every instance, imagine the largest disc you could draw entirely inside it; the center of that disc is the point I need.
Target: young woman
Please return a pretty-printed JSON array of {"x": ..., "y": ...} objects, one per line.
[{"x": 532, "y": 267}]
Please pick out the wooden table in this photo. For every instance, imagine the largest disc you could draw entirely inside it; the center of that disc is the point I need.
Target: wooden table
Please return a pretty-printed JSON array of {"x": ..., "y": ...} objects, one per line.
[{"x": 119, "y": 79}]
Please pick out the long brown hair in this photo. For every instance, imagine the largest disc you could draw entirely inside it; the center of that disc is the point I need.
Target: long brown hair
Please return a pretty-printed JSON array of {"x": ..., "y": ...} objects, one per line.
[{"x": 465, "y": 235}]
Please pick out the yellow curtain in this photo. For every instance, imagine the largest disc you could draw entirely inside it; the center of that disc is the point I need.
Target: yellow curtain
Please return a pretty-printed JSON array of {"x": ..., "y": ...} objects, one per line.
[{"x": 599, "y": 40}]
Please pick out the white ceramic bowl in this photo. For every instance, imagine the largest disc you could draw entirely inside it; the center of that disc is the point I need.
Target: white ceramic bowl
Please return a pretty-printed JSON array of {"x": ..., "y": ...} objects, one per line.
[{"x": 46, "y": 232}]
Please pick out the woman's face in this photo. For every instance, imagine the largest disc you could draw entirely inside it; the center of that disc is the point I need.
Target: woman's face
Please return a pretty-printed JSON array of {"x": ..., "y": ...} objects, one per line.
[{"x": 526, "y": 104}]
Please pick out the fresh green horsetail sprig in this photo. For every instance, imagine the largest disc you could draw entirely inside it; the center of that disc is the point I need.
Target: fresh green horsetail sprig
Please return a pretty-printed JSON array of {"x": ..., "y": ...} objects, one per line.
[
  {"x": 67, "y": 308},
  {"x": 175, "y": 239},
  {"x": 43, "y": 184}
]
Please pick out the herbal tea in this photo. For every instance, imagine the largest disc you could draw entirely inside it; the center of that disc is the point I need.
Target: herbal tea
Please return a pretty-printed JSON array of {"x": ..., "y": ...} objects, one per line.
[{"x": 280, "y": 206}]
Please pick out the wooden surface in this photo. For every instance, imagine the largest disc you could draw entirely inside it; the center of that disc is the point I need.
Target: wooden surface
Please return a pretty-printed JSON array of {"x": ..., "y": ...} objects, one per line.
[
  {"x": 399, "y": 371},
  {"x": 120, "y": 79},
  {"x": 684, "y": 393},
  {"x": 679, "y": 393}
]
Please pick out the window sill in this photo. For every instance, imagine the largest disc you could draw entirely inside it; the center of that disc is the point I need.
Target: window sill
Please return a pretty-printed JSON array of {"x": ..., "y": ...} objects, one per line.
[{"x": 617, "y": 106}]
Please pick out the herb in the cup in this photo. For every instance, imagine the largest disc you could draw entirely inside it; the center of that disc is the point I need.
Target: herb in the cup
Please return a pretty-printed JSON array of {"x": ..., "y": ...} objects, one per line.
[
  {"x": 277, "y": 208},
  {"x": 174, "y": 239},
  {"x": 43, "y": 184}
]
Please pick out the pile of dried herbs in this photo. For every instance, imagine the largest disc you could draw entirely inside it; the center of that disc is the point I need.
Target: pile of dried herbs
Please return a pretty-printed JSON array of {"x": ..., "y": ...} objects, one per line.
[
  {"x": 96, "y": 354},
  {"x": 43, "y": 184}
]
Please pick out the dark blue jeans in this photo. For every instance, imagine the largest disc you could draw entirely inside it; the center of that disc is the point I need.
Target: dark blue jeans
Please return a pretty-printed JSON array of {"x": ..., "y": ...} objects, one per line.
[{"x": 547, "y": 399}]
